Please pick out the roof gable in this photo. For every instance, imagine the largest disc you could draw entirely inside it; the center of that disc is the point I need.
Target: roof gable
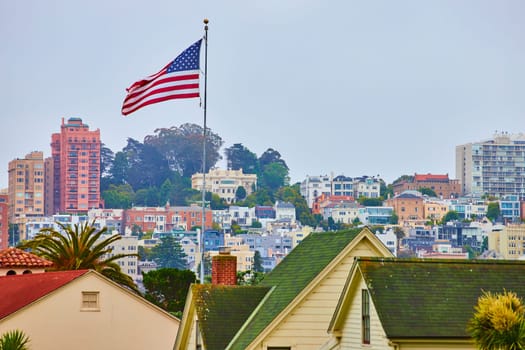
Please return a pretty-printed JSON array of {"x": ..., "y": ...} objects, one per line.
[
  {"x": 292, "y": 276},
  {"x": 413, "y": 297},
  {"x": 22, "y": 290},
  {"x": 14, "y": 257}
]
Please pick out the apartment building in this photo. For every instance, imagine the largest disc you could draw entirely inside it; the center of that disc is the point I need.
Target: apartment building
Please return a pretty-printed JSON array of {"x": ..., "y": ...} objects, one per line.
[
  {"x": 4, "y": 221},
  {"x": 494, "y": 167},
  {"x": 314, "y": 186},
  {"x": 75, "y": 186},
  {"x": 441, "y": 184},
  {"x": 408, "y": 206},
  {"x": 317, "y": 188},
  {"x": 224, "y": 183},
  {"x": 26, "y": 187},
  {"x": 165, "y": 219},
  {"x": 509, "y": 242}
]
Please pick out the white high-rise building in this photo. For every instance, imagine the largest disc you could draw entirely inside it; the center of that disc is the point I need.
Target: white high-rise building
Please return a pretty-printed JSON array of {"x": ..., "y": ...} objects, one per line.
[{"x": 494, "y": 167}]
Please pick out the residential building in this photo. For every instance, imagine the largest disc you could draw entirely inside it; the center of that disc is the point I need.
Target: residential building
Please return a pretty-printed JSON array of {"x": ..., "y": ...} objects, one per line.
[
  {"x": 316, "y": 189},
  {"x": 82, "y": 310},
  {"x": 26, "y": 189},
  {"x": 109, "y": 218},
  {"x": 330, "y": 201},
  {"x": 290, "y": 308},
  {"x": 284, "y": 211},
  {"x": 389, "y": 239},
  {"x": 264, "y": 212},
  {"x": 391, "y": 303},
  {"x": 408, "y": 206},
  {"x": 439, "y": 183},
  {"x": 443, "y": 250},
  {"x": 342, "y": 186},
  {"x": 494, "y": 167},
  {"x": 434, "y": 210},
  {"x": 4, "y": 220},
  {"x": 224, "y": 183},
  {"x": 367, "y": 186},
  {"x": 462, "y": 234},
  {"x": 14, "y": 261},
  {"x": 49, "y": 188},
  {"x": 76, "y": 168},
  {"x": 375, "y": 215},
  {"x": 125, "y": 245},
  {"x": 165, "y": 219},
  {"x": 469, "y": 208},
  {"x": 509, "y": 242},
  {"x": 510, "y": 208},
  {"x": 343, "y": 212},
  {"x": 314, "y": 186},
  {"x": 33, "y": 227}
]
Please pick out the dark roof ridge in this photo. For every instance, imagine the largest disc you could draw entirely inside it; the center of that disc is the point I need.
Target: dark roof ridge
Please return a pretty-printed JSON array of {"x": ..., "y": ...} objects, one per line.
[{"x": 441, "y": 261}]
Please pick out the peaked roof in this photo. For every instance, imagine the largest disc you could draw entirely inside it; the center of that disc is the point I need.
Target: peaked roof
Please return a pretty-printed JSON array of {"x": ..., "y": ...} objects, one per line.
[
  {"x": 14, "y": 257},
  {"x": 222, "y": 310},
  {"x": 22, "y": 290},
  {"x": 434, "y": 298},
  {"x": 291, "y": 276}
]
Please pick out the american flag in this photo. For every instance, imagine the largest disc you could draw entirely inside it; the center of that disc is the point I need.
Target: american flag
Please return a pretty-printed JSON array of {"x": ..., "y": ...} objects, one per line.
[{"x": 179, "y": 79}]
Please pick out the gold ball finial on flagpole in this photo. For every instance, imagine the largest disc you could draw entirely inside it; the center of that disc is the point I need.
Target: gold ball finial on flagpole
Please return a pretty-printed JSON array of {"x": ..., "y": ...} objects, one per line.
[{"x": 205, "y": 21}]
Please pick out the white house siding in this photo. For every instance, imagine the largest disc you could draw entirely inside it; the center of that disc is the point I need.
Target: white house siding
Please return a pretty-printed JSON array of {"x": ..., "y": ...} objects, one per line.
[
  {"x": 306, "y": 326},
  {"x": 351, "y": 329}
]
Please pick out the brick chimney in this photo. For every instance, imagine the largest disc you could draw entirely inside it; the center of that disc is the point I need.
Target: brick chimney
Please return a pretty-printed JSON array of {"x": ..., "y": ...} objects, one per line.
[{"x": 224, "y": 268}]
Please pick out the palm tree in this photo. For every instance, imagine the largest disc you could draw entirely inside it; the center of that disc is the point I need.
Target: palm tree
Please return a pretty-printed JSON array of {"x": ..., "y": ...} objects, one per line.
[
  {"x": 80, "y": 247},
  {"x": 14, "y": 340},
  {"x": 498, "y": 322}
]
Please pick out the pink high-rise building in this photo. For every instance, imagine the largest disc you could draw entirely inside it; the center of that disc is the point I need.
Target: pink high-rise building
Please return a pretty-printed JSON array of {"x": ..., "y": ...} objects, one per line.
[
  {"x": 75, "y": 183},
  {"x": 4, "y": 223}
]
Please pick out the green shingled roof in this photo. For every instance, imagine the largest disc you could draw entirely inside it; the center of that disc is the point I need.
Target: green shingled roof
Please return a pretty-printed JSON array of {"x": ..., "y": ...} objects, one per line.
[
  {"x": 435, "y": 298},
  {"x": 291, "y": 276},
  {"x": 223, "y": 309}
]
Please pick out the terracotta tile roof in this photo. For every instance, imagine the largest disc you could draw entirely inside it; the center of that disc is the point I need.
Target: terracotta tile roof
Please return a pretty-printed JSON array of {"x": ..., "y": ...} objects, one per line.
[
  {"x": 14, "y": 257},
  {"x": 430, "y": 177},
  {"x": 22, "y": 290}
]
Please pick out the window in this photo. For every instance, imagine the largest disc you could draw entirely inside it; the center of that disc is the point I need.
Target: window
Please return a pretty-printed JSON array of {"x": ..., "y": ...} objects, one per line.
[
  {"x": 90, "y": 301},
  {"x": 365, "y": 316}
]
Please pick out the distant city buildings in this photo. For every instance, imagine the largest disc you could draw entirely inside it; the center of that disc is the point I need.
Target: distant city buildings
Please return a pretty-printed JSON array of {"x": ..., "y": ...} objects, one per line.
[
  {"x": 315, "y": 188},
  {"x": 26, "y": 187},
  {"x": 440, "y": 184},
  {"x": 75, "y": 183},
  {"x": 165, "y": 219},
  {"x": 494, "y": 167},
  {"x": 225, "y": 183}
]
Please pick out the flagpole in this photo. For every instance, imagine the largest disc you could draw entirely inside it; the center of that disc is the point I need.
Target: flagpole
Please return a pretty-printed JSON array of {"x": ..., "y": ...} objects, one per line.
[{"x": 203, "y": 226}]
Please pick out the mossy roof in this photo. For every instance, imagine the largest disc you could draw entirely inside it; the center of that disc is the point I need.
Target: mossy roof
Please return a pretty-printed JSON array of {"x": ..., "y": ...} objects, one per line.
[
  {"x": 222, "y": 310},
  {"x": 435, "y": 298},
  {"x": 291, "y": 276}
]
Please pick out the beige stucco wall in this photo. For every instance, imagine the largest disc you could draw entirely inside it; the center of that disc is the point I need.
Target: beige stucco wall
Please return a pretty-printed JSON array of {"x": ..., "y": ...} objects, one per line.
[
  {"x": 305, "y": 327},
  {"x": 124, "y": 322}
]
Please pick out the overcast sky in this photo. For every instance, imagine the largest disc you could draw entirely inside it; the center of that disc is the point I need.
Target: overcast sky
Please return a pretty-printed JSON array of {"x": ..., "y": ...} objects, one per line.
[{"x": 349, "y": 87}]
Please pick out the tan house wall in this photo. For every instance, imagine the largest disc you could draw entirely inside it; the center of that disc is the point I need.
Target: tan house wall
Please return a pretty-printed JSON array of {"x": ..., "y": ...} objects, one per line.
[
  {"x": 124, "y": 321},
  {"x": 305, "y": 327}
]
